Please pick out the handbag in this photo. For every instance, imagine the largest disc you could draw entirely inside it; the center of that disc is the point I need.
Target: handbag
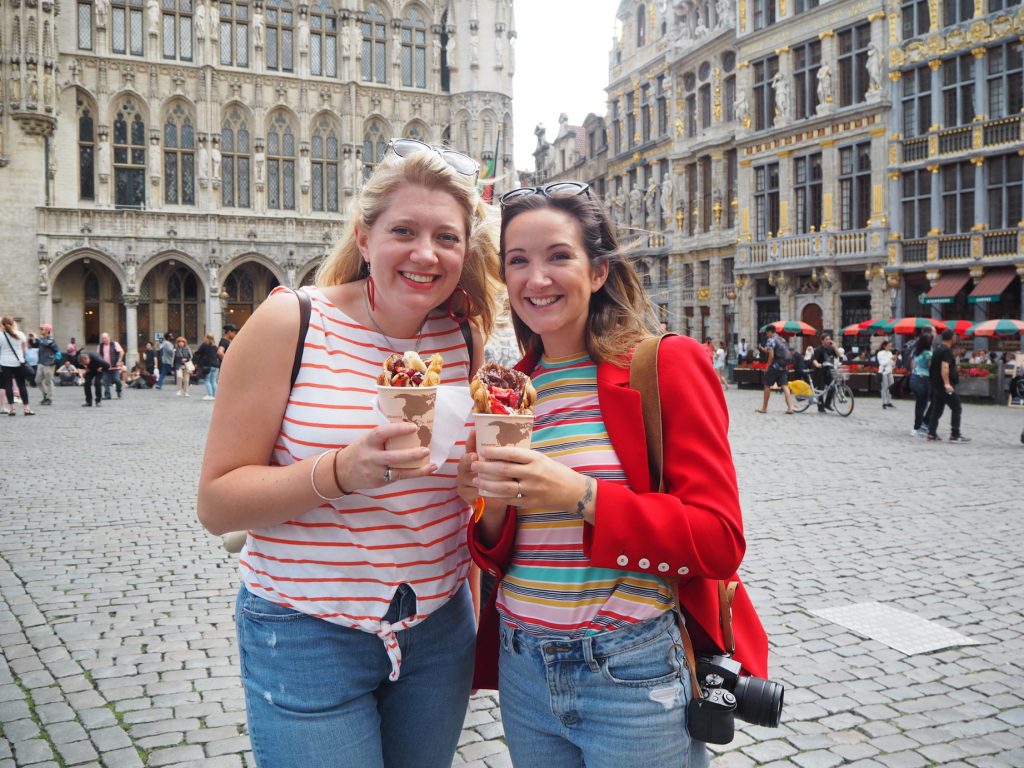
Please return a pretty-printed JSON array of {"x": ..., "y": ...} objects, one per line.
[
  {"x": 26, "y": 369},
  {"x": 189, "y": 366},
  {"x": 701, "y": 716}
]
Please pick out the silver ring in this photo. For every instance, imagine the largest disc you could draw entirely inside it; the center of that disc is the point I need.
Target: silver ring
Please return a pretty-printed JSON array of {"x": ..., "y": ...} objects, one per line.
[
  {"x": 519, "y": 490},
  {"x": 387, "y": 474}
]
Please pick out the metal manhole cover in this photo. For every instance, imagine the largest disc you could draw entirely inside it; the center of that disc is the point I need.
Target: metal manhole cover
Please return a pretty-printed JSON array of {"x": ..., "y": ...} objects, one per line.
[{"x": 898, "y": 629}]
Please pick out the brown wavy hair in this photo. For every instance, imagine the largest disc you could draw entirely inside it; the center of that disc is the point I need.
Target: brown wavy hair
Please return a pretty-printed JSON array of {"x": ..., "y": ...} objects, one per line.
[
  {"x": 620, "y": 315},
  {"x": 480, "y": 268}
]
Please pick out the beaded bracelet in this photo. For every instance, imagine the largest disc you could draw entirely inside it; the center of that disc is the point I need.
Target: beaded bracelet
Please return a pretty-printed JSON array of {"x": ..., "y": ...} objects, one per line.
[{"x": 312, "y": 480}]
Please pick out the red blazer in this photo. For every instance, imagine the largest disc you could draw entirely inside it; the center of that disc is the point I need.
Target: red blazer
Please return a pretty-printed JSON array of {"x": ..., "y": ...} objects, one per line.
[{"x": 695, "y": 532}]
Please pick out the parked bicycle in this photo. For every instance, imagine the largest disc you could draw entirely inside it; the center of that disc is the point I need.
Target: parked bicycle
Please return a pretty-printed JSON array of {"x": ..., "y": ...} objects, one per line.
[{"x": 842, "y": 395}]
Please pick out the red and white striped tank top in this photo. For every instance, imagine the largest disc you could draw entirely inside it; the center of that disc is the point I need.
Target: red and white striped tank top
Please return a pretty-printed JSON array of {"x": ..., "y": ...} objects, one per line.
[{"x": 343, "y": 561}]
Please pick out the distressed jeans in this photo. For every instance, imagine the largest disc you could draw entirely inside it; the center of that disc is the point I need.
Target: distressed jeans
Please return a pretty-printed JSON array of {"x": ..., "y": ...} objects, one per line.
[
  {"x": 616, "y": 699},
  {"x": 317, "y": 694}
]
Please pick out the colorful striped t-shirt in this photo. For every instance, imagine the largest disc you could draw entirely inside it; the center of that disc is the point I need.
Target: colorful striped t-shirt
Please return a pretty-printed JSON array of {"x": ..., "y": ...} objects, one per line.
[{"x": 550, "y": 588}]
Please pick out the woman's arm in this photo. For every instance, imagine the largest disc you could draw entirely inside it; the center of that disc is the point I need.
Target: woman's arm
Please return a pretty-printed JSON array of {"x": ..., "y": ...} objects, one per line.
[{"x": 237, "y": 488}]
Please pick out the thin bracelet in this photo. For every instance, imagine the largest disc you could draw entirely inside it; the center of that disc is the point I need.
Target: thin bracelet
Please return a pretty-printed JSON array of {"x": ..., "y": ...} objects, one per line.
[
  {"x": 312, "y": 481},
  {"x": 337, "y": 482}
]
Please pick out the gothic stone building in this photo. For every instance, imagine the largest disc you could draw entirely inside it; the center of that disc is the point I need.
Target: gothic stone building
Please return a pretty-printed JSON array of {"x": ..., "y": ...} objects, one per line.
[{"x": 163, "y": 165}]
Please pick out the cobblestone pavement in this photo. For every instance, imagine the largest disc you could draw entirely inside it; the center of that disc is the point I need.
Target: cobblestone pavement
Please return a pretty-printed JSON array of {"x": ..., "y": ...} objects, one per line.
[{"x": 118, "y": 642}]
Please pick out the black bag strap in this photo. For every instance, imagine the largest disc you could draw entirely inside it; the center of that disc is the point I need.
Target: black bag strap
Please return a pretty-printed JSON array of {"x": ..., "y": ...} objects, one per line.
[
  {"x": 467, "y": 334},
  {"x": 305, "y": 307},
  {"x": 22, "y": 362}
]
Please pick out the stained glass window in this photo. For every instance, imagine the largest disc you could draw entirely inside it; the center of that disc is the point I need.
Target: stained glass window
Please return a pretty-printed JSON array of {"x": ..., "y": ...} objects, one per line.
[
  {"x": 414, "y": 51},
  {"x": 177, "y": 29},
  {"x": 323, "y": 39},
  {"x": 235, "y": 160},
  {"x": 129, "y": 157},
  {"x": 234, "y": 33},
  {"x": 374, "y": 55},
  {"x": 86, "y": 152},
  {"x": 324, "y": 152},
  {"x": 280, "y": 31},
  {"x": 126, "y": 27},
  {"x": 179, "y": 158},
  {"x": 280, "y": 164}
]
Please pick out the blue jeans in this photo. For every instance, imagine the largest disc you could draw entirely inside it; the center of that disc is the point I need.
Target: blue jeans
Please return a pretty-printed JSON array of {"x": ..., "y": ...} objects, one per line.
[
  {"x": 211, "y": 381},
  {"x": 612, "y": 700},
  {"x": 165, "y": 369},
  {"x": 111, "y": 378},
  {"x": 922, "y": 388},
  {"x": 318, "y": 695}
]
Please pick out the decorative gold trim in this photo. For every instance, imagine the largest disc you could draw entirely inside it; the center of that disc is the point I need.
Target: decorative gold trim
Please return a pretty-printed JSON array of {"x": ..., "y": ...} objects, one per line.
[
  {"x": 935, "y": 64},
  {"x": 782, "y": 50},
  {"x": 879, "y": 15},
  {"x": 825, "y": 34}
]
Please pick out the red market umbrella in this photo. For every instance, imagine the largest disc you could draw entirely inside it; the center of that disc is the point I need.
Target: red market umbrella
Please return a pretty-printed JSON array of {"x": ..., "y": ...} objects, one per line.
[
  {"x": 907, "y": 326},
  {"x": 879, "y": 327},
  {"x": 791, "y": 328},
  {"x": 857, "y": 329},
  {"x": 960, "y": 327},
  {"x": 998, "y": 328}
]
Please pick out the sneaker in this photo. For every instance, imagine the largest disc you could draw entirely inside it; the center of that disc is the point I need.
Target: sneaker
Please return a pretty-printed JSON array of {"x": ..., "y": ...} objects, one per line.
[
  {"x": 917, "y": 433},
  {"x": 959, "y": 439},
  {"x": 187, "y": 395},
  {"x": 87, "y": 405},
  {"x": 207, "y": 397},
  {"x": 98, "y": 403},
  {"x": 934, "y": 438},
  {"x": 177, "y": 393}
]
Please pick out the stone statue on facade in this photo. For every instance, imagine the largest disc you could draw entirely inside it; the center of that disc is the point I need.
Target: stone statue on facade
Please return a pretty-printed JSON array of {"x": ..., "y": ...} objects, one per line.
[
  {"x": 304, "y": 171},
  {"x": 824, "y": 87},
  {"x": 303, "y": 36},
  {"x": 874, "y": 67},
  {"x": 724, "y": 9},
  {"x": 742, "y": 107},
  {"x": 474, "y": 51},
  {"x": 636, "y": 202},
  {"x": 651, "y": 202},
  {"x": 204, "y": 161},
  {"x": 129, "y": 277},
  {"x": 618, "y": 209},
  {"x": 101, "y": 8},
  {"x": 346, "y": 41},
  {"x": 261, "y": 160},
  {"x": 346, "y": 174},
  {"x": 153, "y": 16},
  {"x": 667, "y": 192},
  {"x": 199, "y": 21},
  {"x": 103, "y": 156},
  {"x": 154, "y": 161},
  {"x": 215, "y": 160},
  {"x": 781, "y": 96},
  {"x": 259, "y": 26},
  {"x": 396, "y": 50},
  {"x": 44, "y": 277},
  {"x": 435, "y": 55},
  {"x": 449, "y": 49},
  {"x": 213, "y": 19}
]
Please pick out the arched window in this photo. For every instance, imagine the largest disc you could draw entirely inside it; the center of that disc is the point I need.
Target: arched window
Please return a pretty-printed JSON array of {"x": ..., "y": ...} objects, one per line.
[
  {"x": 280, "y": 20},
  {"x": 323, "y": 39},
  {"x": 414, "y": 51},
  {"x": 177, "y": 29},
  {"x": 129, "y": 157},
  {"x": 375, "y": 142},
  {"x": 280, "y": 164},
  {"x": 86, "y": 152},
  {"x": 234, "y": 32},
  {"x": 374, "y": 61},
  {"x": 416, "y": 131},
  {"x": 641, "y": 26},
  {"x": 126, "y": 32},
  {"x": 179, "y": 158},
  {"x": 239, "y": 287},
  {"x": 234, "y": 151},
  {"x": 324, "y": 151},
  {"x": 183, "y": 303}
]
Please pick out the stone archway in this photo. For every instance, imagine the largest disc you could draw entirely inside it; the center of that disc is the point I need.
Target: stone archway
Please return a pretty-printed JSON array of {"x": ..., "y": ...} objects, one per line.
[
  {"x": 86, "y": 299},
  {"x": 244, "y": 289},
  {"x": 812, "y": 315}
]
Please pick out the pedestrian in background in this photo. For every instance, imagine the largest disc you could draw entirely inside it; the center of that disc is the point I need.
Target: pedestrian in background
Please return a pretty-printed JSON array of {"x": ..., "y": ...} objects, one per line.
[
  {"x": 71, "y": 350},
  {"x": 13, "y": 366},
  {"x": 945, "y": 375},
  {"x": 94, "y": 369},
  {"x": 776, "y": 370},
  {"x": 208, "y": 362},
  {"x": 183, "y": 366},
  {"x": 719, "y": 364},
  {"x": 372, "y": 669},
  {"x": 112, "y": 352},
  {"x": 920, "y": 356},
  {"x": 150, "y": 360},
  {"x": 885, "y": 367},
  {"x": 48, "y": 354},
  {"x": 166, "y": 358}
]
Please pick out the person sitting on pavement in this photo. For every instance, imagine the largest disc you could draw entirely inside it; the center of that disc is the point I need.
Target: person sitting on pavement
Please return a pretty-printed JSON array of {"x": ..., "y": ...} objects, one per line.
[
  {"x": 68, "y": 375},
  {"x": 93, "y": 370}
]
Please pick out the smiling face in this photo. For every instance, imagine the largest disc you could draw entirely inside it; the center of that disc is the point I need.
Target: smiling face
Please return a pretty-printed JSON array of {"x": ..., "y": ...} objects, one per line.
[
  {"x": 550, "y": 279},
  {"x": 415, "y": 250}
]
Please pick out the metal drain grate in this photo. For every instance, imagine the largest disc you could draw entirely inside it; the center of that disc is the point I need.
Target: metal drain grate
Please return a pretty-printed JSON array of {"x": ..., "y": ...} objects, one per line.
[{"x": 898, "y": 629}]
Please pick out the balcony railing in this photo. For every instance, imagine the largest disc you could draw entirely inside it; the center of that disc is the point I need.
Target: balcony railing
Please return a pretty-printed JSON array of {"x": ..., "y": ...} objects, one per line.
[
  {"x": 969, "y": 247},
  {"x": 806, "y": 247},
  {"x": 979, "y": 135}
]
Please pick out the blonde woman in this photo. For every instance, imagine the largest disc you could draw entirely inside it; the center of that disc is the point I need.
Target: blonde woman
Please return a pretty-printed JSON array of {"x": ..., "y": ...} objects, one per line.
[
  {"x": 355, "y": 624},
  {"x": 183, "y": 366}
]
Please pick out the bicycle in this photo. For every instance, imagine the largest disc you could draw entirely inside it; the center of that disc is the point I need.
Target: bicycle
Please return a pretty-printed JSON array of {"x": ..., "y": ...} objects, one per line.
[{"x": 842, "y": 395}]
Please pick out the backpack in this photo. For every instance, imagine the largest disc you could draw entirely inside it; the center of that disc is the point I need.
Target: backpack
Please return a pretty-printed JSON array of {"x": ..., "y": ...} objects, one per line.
[{"x": 782, "y": 354}]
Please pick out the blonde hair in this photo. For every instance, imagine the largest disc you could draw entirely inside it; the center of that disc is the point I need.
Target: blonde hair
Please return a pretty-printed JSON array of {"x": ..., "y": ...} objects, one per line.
[
  {"x": 210, "y": 338},
  {"x": 426, "y": 169},
  {"x": 620, "y": 315}
]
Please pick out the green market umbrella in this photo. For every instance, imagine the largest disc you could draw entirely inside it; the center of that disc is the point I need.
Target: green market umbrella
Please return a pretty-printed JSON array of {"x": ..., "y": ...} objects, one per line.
[
  {"x": 907, "y": 326},
  {"x": 997, "y": 328},
  {"x": 791, "y": 328}
]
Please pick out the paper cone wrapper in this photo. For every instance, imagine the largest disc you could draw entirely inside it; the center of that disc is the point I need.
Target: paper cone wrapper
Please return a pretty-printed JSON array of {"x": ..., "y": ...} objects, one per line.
[
  {"x": 415, "y": 404},
  {"x": 505, "y": 430}
]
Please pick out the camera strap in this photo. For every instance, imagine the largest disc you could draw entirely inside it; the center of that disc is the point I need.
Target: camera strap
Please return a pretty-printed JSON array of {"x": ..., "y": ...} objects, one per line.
[{"x": 643, "y": 378}]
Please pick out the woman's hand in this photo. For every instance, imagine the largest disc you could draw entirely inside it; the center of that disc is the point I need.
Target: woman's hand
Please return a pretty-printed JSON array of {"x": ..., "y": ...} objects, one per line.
[
  {"x": 466, "y": 479},
  {"x": 365, "y": 463},
  {"x": 522, "y": 477}
]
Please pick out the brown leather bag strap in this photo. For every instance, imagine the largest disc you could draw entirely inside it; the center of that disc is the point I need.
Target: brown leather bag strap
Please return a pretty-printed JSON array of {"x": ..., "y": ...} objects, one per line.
[
  {"x": 726, "y": 594},
  {"x": 643, "y": 378},
  {"x": 691, "y": 658}
]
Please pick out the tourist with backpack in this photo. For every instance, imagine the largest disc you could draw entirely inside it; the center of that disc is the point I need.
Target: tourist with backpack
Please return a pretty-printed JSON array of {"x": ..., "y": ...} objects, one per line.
[{"x": 776, "y": 372}]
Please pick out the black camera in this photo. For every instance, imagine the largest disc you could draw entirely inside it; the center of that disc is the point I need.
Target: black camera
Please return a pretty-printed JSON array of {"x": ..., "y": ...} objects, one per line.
[{"x": 727, "y": 694}]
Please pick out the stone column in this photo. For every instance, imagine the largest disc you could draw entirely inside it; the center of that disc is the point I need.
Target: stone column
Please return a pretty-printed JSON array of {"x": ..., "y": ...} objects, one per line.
[
  {"x": 131, "y": 322},
  {"x": 980, "y": 194},
  {"x": 828, "y": 58},
  {"x": 936, "y": 67},
  {"x": 785, "y": 191},
  {"x": 828, "y": 174}
]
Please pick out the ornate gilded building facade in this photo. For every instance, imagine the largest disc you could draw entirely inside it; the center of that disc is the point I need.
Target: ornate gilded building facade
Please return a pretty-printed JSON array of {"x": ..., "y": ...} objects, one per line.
[
  {"x": 163, "y": 165},
  {"x": 955, "y": 168}
]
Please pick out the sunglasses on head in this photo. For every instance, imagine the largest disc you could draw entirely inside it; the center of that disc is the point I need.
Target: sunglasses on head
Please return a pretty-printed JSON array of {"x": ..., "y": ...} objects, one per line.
[
  {"x": 460, "y": 163},
  {"x": 555, "y": 189}
]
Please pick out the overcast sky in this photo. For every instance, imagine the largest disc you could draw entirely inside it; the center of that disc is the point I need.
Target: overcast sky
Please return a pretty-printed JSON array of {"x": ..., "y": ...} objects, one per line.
[{"x": 561, "y": 66}]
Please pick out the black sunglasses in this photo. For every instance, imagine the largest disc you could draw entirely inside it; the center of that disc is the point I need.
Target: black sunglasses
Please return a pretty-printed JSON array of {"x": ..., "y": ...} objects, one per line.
[
  {"x": 460, "y": 163},
  {"x": 555, "y": 189}
]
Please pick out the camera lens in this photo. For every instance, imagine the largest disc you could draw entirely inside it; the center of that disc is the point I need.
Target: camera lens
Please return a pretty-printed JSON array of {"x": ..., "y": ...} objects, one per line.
[{"x": 759, "y": 701}]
